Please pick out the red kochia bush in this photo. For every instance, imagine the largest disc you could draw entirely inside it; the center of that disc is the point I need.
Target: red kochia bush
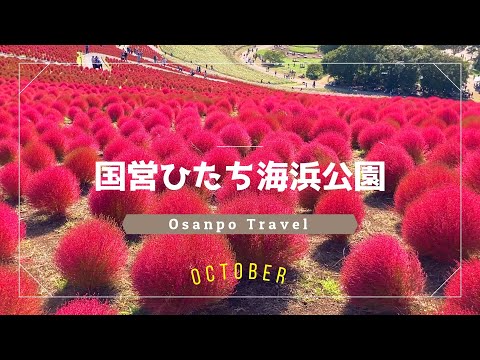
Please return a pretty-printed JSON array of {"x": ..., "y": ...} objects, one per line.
[
  {"x": 86, "y": 307},
  {"x": 275, "y": 249},
  {"x": 471, "y": 171},
  {"x": 412, "y": 141},
  {"x": 337, "y": 143},
  {"x": 10, "y": 180},
  {"x": 183, "y": 201},
  {"x": 236, "y": 135},
  {"x": 115, "y": 147},
  {"x": 257, "y": 130},
  {"x": 397, "y": 163},
  {"x": 81, "y": 162},
  {"x": 203, "y": 141},
  {"x": 37, "y": 156},
  {"x": 10, "y": 302},
  {"x": 117, "y": 204},
  {"x": 375, "y": 133},
  {"x": 163, "y": 268},
  {"x": 356, "y": 128},
  {"x": 342, "y": 202},
  {"x": 432, "y": 223},
  {"x": 470, "y": 300},
  {"x": 221, "y": 158},
  {"x": 327, "y": 123},
  {"x": 447, "y": 153},
  {"x": 166, "y": 146},
  {"x": 309, "y": 153},
  {"x": 9, "y": 231},
  {"x": 55, "y": 139},
  {"x": 380, "y": 266},
  {"x": 53, "y": 190},
  {"x": 8, "y": 150},
  {"x": 104, "y": 136},
  {"x": 115, "y": 111},
  {"x": 433, "y": 136},
  {"x": 91, "y": 254},
  {"x": 421, "y": 179}
]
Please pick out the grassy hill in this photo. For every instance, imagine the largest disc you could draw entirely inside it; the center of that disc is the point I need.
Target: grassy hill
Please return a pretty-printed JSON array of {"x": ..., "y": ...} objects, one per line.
[{"x": 222, "y": 57}]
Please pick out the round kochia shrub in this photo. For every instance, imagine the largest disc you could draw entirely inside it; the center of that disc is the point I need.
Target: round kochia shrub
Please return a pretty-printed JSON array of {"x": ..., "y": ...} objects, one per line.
[
  {"x": 9, "y": 231},
  {"x": 433, "y": 136},
  {"x": 236, "y": 135},
  {"x": 470, "y": 290},
  {"x": 183, "y": 201},
  {"x": 116, "y": 204},
  {"x": 432, "y": 223},
  {"x": 356, "y": 128},
  {"x": 272, "y": 249},
  {"x": 221, "y": 158},
  {"x": 8, "y": 150},
  {"x": 37, "y": 156},
  {"x": 311, "y": 152},
  {"x": 380, "y": 266},
  {"x": 81, "y": 162},
  {"x": 421, "y": 179},
  {"x": 412, "y": 141},
  {"x": 471, "y": 171},
  {"x": 447, "y": 153},
  {"x": 91, "y": 254},
  {"x": 115, "y": 111},
  {"x": 331, "y": 124},
  {"x": 53, "y": 190},
  {"x": 374, "y": 133},
  {"x": 10, "y": 302},
  {"x": 397, "y": 163},
  {"x": 203, "y": 141},
  {"x": 341, "y": 202},
  {"x": 86, "y": 307},
  {"x": 337, "y": 143},
  {"x": 10, "y": 180},
  {"x": 163, "y": 267}
]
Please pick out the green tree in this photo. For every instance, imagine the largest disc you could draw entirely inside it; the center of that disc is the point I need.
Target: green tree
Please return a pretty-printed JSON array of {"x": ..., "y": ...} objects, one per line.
[
  {"x": 476, "y": 64},
  {"x": 314, "y": 71},
  {"x": 274, "y": 57},
  {"x": 399, "y": 74},
  {"x": 437, "y": 78},
  {"x": 344, "y": 64},
  {"x": 325, "y": 49}
]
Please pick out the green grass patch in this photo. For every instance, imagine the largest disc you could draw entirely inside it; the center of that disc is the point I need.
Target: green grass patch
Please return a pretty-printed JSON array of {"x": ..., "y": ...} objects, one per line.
[
  {"x": 303, "y": 49},
  {"x": 223, "y": 59},
  {"x": 314, "y": 286},
  {"x": 299, "y": 66},
  {"x": 330, "y": 287}
]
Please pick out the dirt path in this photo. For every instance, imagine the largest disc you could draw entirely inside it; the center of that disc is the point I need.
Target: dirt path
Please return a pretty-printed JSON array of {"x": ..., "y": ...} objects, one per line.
[{"x": 471, "y": 88}]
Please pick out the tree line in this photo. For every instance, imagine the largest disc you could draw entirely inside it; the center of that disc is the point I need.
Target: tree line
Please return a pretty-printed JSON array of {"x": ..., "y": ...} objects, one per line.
[{"x": 389, "y": 68}]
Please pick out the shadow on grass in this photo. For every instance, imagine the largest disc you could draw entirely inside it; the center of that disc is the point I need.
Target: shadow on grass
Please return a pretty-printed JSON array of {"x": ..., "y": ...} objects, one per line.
[
  {"x": 436, "y": 273},
  {"x": 357, "y": 309},
  {"x": 40, "y": 224},
  {"x": 257, "y": 287},
  {"x": 398, "y": 228},
  {"x": 85, "y": 189},
  {"x": 379, "y": 200},
  {"x": 133, "y": 238},
  {"x": 330, "y": 253},
  {"x": 72, "y": 293},
  {"x": 13, "y": 202}
]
